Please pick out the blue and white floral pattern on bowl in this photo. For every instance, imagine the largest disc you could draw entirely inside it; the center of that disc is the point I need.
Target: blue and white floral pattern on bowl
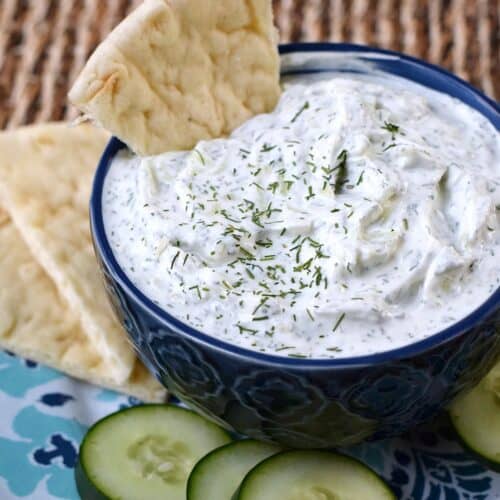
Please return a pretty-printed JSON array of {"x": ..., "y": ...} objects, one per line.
[
  {"x": 310, "y": 403},
  {"x": 44, "y": 416}
]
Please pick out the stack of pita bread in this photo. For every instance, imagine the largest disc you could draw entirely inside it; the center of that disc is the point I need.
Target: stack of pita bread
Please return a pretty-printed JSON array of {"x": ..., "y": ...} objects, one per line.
[
  {"x": 53, "y": 307},
  {"x": 172, "y": 73}
]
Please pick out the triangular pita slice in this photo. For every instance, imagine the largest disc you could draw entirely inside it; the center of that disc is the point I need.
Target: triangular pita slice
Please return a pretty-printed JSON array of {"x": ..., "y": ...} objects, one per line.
[
  {"x": 35, "y": 323},
  {"x": 46, "y": 174},
  {"x": 178, "y": 71}
]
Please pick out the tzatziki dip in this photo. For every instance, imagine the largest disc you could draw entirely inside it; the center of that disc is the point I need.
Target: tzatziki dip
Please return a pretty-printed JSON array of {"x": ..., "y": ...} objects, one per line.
[{"x": 360, "y": 216}]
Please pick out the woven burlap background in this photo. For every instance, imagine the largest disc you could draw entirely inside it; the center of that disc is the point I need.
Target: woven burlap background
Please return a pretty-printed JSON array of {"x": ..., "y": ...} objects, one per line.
[{"x": 44, "y": 43}]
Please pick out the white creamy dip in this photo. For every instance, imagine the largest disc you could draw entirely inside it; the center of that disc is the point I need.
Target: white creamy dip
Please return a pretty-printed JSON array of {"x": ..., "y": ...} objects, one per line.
[{"x": 360, "y": 216}]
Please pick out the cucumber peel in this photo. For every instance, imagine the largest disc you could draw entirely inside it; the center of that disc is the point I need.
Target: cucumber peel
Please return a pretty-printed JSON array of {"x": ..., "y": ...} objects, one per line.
[
  {"x": 218, "y": 475},
  {"x": 308, "y": 474},
  {"x": 475, "y": 416},
  {"x": 144, "y": 452}
]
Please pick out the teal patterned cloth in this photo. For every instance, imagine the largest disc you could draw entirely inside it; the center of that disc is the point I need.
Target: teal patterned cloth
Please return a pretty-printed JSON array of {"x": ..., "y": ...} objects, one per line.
[{"x": 44, "y": 415}]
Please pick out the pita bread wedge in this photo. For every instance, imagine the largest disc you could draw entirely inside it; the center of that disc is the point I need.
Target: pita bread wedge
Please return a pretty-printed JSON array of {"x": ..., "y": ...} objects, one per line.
[
  {"x": 178, "y": 71},
  {"x": 45, "y": 180},
  {"x": 36, "y": 324}
]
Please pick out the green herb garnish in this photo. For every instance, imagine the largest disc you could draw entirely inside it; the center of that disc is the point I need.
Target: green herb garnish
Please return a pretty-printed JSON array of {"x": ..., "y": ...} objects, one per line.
[
  {"x": 245, "y": 329},
  {"x": 300, "y": 111},
  {"x": 310, "y": 193},
  {"x": 392, "y": 128},
  {"x": 341, "y": 171},
  {"x": 360, "y": 179},
  {"x": 197, "y": 288},
  {"x": 260, "y": 318},
  {"x": 266, "y": 148},
  {"x": 337, "y": 324},
  {"x": 174, "y": 259},
  {"x": 202, "y": 159}
]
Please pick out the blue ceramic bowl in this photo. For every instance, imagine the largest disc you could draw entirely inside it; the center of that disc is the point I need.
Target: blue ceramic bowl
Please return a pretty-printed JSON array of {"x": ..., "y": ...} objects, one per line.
[{"x": 300, "y": 402}]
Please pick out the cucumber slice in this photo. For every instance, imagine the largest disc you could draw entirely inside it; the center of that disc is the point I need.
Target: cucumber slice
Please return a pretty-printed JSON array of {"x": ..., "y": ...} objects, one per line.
[
  {"x": 308, "y": 474},
  {"x": 476, "y": 418},
  {"x": 144, "y": 452},
  {"x": 218, "y": 475}
]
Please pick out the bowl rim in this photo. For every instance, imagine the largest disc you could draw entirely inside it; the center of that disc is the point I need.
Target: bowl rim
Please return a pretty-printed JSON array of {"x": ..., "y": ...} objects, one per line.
[{"x": 454, "y": 331}]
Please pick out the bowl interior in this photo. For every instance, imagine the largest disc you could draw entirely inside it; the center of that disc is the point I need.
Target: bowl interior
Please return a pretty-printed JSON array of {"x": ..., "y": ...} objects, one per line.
[{"x": 299, "y": 59}]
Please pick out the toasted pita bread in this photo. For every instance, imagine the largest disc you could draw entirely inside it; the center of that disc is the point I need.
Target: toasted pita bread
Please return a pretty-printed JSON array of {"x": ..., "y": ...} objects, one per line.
[
  {"x": 35, "y": 323},
  {"x": 178, "y": 71},
  {"x": 45, "y": 179}
]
